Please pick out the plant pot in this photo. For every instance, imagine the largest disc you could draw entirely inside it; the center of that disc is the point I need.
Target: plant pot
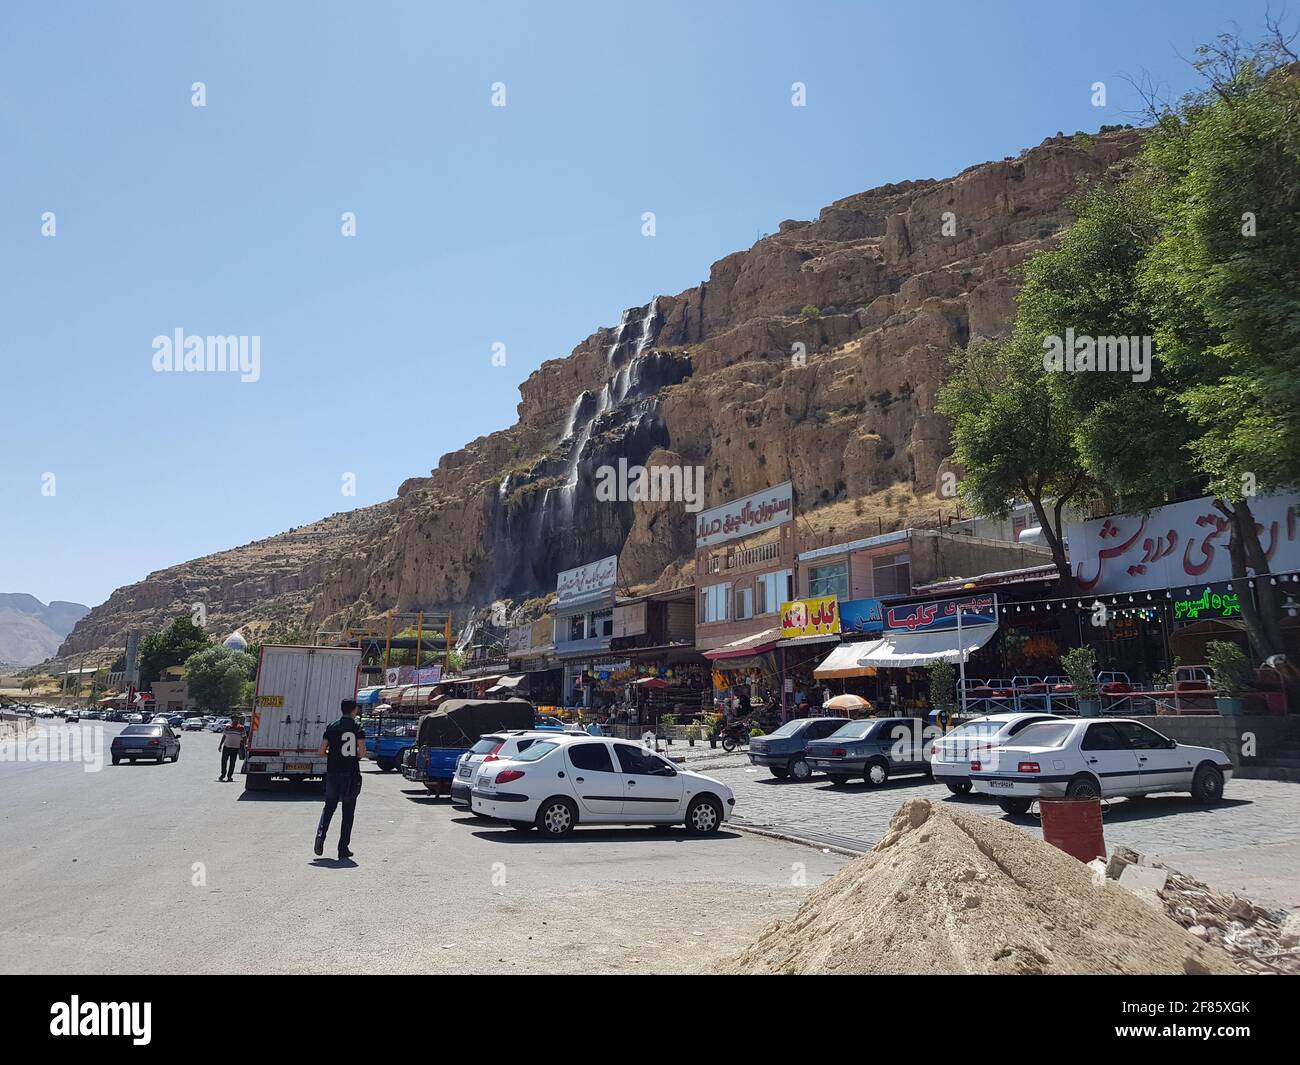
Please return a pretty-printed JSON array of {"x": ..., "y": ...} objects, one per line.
[
  {"x": 713, "y": 742},
  {"x": 1229, "y": 706},
  {"x": 1089, "y": 707},
  {"x": 691, "y": 741}
]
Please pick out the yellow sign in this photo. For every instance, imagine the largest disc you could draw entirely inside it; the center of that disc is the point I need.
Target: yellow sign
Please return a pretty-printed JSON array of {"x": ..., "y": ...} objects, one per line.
[
  {"x": 270, "y": 700},
  {"x": 810, "y": 617}
]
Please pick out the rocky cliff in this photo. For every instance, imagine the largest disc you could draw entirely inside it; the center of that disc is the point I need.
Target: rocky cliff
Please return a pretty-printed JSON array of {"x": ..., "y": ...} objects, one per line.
[{"x": 734, "y": 376}]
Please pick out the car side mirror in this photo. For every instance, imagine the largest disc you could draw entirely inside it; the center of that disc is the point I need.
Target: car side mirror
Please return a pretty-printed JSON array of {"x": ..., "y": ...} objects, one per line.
[{"x": 1171, "y": 745}]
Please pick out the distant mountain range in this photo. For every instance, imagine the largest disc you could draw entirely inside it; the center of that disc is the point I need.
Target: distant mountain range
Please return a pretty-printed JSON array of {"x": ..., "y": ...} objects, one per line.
[{"x": 31, "y": 631}]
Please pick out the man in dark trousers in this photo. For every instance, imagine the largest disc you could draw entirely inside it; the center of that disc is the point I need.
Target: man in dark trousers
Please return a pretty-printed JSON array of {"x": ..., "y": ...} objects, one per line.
[
  {"x": 231, "y": 743},
  {"x": 344, "y": 745}
]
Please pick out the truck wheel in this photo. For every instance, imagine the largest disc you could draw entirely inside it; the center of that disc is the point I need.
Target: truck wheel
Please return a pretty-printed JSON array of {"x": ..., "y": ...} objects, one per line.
[
  {"x": 779, "y": 772},
  {"x": 256, "y": 782},
  {"x": 385, "y": 764},
  {"x": 800, "y": 769},
  {"x": 1015, "y": 806},
  {"x": 1207, "y": 784},
  {"x": 556, "y": 817}
]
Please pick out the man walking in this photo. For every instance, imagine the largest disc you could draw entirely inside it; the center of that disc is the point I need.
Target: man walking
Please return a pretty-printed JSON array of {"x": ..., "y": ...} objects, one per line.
[
  {"x": 344, "y": 745},
  {"x": 231, "y": 743}
]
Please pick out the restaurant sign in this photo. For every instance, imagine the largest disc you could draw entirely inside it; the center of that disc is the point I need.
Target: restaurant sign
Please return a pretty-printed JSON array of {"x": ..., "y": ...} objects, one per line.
[
  {"x": 586, "y": 581},
  {"x": 744, "y": 517},
  {"x": 1207, "y": 602},
  {"x": 942, "y": 614},
  {"x": 1181, "y": 546},
  {"x": 519, "y": 641},
  {"x": 810, "y": 617},
  {"x": 862, "y": 615}
]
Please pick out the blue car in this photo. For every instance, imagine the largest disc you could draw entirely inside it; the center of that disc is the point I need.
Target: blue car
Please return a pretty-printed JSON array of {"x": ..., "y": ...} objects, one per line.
[
  {"x": 785, "y": 751},
  {"x": 873, "y": 748}
]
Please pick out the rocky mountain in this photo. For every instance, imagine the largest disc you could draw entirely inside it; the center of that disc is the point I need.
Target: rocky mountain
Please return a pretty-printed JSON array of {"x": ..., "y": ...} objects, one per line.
[
  {"x": 815, "y": 355},
  {"x": 31, "y": 631}
]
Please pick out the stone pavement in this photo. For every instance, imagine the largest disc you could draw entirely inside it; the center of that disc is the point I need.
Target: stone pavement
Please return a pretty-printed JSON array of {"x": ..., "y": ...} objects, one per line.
[{"x": 1249, "y": 843}]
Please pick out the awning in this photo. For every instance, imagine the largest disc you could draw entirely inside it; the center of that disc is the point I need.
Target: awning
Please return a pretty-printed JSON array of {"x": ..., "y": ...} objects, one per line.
[
  {"x": 368, "y": 696},
  {"x": 757, "y": 644},
  {"x": 843, "y": 662},
  {"x": 805, "y": 641},
  {"x": 902, "y": 650},
  {"x": 506, "y": 684}
]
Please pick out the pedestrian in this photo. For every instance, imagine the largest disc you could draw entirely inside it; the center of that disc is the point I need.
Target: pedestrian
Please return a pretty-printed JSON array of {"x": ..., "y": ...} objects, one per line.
[
  {"x": 230, "y": 744},
  {"x": 594, "y": 729},
  {"x": 343, "y": 745}
]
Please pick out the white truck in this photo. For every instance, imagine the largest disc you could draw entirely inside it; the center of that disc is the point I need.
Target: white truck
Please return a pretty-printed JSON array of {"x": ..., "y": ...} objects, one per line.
[{"x": 299, "y": 690}]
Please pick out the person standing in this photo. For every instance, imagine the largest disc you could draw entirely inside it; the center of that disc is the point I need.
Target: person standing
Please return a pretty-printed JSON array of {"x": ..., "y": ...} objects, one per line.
[
  {"x": 343, "y": 746},
  {"x": 230, "y": 744}
]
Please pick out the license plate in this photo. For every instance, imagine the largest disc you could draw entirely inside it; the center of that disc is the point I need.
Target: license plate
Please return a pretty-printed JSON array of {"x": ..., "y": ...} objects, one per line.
[
  {"x": 464, "y": 773},
  {"x": 999, "y": 784},
  {"x": 486, "y": 784},
  {"x": 297, "y": 767}
]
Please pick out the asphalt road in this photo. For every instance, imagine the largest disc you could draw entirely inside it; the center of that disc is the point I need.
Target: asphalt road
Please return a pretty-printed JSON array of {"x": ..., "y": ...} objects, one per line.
[{"x": 162, "y": 869}]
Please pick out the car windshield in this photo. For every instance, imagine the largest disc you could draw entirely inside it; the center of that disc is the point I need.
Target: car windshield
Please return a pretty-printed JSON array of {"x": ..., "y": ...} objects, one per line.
[
  {"x": 985, "y": 726},
  {"x": 854, "y": 730},
  {"x": 485, "y": 745},
  {"x": 1046, "y": 734},
  {"x": 536, "y": 751},
  {"x": 788, "y": 729},
  {"x": 142, "y": 730}
]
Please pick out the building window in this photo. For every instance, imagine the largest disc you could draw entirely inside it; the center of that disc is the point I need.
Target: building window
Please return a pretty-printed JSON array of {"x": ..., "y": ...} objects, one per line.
[
  {"x": 891, "y": 575},
  {"x": 744, "y": 603},
  {"x": 831, "y": 579},
  {"x": 773, "y": 590},
  {"x": 602, "y": 623},
  {"x": 578, "y": 627},
  {"x": 714, "y": 602}
]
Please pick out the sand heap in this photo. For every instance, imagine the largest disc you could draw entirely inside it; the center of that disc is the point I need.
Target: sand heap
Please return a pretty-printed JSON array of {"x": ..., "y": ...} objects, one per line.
[{"x": 950, "y": 892}]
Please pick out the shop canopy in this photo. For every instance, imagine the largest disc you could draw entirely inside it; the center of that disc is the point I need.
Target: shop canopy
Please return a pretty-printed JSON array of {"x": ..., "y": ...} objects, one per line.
[
  {"x": 843, "y": 662},
  {"x": 756, "y": 644},
  {"x": 506, "y": 685},
  {"x": 904, "y": 650},
  {"x": 368, "y": 696}
]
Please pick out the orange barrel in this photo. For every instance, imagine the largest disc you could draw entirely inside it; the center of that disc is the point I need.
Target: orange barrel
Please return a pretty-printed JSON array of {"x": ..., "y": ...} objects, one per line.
[{"x": 1074, "y": 826}]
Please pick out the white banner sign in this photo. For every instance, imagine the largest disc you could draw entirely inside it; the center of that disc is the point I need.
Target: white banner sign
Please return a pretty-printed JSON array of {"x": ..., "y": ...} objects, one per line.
[
  {"x": 1177, "y": 546},
  {"x": 587, "y": 580},
  {"x": 745, "y": 517}
]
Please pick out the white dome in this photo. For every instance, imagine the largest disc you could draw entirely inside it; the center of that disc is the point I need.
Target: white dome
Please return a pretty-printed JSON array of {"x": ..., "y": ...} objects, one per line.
[{"x": 235, "y": 641}]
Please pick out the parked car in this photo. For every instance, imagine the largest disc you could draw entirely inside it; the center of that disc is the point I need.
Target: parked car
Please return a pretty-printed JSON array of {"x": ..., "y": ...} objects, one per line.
[
  {"x": 1096, "y": 758},
  {"x": 194, "y": 724},
  {"x": 567, "y": 778},
  {"x": 951, "y": 754},
  {"x": 495, "y": 746},
  {"x": 218, "y": 724},
  {"x": 873, "y": 748},
  {"x": 134, "y": 742},
  {"x": 72, "y": 717},
  {"x": 160, "y": 719},
  {"x": 784, "y": 751}
]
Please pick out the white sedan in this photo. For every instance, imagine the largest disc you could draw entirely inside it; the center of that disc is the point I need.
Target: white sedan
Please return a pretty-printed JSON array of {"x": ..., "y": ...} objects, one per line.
[
  {"x": 1097, "y": 758},
  {"x": 570, "y": 778},
  {"x": 952, "y": 754}
]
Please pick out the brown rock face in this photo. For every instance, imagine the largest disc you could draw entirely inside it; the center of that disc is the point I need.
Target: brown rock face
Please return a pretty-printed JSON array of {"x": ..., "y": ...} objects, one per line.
[{"x": 727, "y": 376}]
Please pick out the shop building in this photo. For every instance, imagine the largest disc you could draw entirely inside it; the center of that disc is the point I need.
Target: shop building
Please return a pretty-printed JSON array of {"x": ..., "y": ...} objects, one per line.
[
  {"x": 667, "y": 674},
  {"x": 583, "y": 626}
]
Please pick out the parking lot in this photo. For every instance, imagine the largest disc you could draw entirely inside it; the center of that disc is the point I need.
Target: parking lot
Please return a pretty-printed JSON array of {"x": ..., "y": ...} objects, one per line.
[{"x": 1249, "y": 843}]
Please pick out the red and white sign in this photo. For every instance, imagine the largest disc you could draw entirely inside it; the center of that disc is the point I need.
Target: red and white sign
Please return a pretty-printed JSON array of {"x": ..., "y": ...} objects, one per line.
[
  {"x": 587, "y": 580},
  {"x": 744, "y": 517},
  {"x": 1178, "y": 546}
]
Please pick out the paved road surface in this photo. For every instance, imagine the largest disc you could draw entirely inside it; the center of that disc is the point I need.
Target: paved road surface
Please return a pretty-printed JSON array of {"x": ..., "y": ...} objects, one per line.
[{"x": 160, "y": 868}]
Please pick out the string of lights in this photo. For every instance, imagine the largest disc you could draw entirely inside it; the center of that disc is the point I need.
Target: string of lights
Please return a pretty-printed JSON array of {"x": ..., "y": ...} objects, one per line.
[{"x": 1139, "y": 600}]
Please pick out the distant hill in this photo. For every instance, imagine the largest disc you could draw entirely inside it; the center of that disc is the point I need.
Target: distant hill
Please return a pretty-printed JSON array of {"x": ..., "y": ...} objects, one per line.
[{"x": 31, "y": 631}]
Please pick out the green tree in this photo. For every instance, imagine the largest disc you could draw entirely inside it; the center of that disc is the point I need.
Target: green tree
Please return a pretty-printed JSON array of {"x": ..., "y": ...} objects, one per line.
[
  {"x": 216, "y": 677},
  {"x": 170, "y": 647}
]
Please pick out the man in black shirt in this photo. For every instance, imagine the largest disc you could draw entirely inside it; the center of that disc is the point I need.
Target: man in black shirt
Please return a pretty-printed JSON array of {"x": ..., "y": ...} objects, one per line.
[{"x": 344, "y": 744}]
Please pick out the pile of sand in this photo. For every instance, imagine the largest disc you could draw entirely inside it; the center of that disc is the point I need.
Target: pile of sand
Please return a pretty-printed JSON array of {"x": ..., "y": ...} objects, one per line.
[{"x": 950, "y": 892}]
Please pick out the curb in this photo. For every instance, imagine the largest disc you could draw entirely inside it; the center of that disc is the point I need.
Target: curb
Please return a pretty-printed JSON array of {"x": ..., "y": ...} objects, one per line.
[{"x": 803, "y": 841}]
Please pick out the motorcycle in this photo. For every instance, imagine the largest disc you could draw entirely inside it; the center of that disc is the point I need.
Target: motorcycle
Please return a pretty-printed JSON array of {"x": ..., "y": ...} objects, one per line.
[{"x": 734, "y": 734}]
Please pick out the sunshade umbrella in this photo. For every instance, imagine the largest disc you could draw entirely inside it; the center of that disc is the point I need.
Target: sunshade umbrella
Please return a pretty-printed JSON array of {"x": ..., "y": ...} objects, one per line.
[{"x": 847, "y": 702}]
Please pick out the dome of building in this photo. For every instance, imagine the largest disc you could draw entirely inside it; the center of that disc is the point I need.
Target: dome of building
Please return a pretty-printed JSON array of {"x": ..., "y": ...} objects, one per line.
[{"x": 235, "y": 641}]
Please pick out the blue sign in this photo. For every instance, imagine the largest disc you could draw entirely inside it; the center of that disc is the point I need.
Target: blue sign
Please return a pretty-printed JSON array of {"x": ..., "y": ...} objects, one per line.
[{"x": 862, "y": 615}]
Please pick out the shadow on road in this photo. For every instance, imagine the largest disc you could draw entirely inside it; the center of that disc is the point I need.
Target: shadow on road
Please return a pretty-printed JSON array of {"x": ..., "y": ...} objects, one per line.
[
  {"x": 287, "y": 791},
  {"x": 495, "y": 832},
  {"x": 332, "y": 863},
  {"x": 1123, "y": 811}
]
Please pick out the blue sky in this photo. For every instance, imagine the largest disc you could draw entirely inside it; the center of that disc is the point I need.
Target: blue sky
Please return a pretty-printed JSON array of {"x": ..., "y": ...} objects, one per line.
[{"x": 475, "y": 225}]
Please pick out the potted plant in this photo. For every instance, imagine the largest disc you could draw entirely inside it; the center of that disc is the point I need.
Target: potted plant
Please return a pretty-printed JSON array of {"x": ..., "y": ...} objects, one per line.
[
  {"x": 715, "y": 723},
  {"x": 1080, "y": 665},
  {"x": 1232, "y": 674},
  {"x": 943, "y": 687},
  {"x": 692, "y": 733}
]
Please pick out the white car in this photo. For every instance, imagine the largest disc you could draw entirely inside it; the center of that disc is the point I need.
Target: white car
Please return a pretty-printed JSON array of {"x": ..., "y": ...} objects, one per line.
[
  {"x": 1096, "y": 758},
  {"x": 952, "y": 753},
  {"x": 492, "y": 747},
  {"x": 565, "y": 779}
]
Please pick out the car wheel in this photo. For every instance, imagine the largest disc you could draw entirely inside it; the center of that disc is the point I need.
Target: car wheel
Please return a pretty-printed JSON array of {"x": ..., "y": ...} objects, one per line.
[
  {"x": 838, "y": 780},
  {"x": 1207, "y": 784},
  {"x": 176, "y": 757},
  {"x": 703, "y": 816},
  {"x": 800, "y": 769},
  {"x": 116, "y": 759},
  {"x": 960, "y": 788},
  {"x": 131, "y": 760},
  {"x": 877, "y": 773},
  {"x": 385, "y": 765},
  {"x": 556, "y": 817},
  {"x": 1015, "y": 806},
  {"x": 1083, "y": 787},
  {"x": 779, "y": 772}
]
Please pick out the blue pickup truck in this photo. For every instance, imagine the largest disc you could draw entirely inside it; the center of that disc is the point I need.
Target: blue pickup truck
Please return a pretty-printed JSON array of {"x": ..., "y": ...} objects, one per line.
[
  {"x": 446, "y": 733},
  {"x": 390, "y": 733}
]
